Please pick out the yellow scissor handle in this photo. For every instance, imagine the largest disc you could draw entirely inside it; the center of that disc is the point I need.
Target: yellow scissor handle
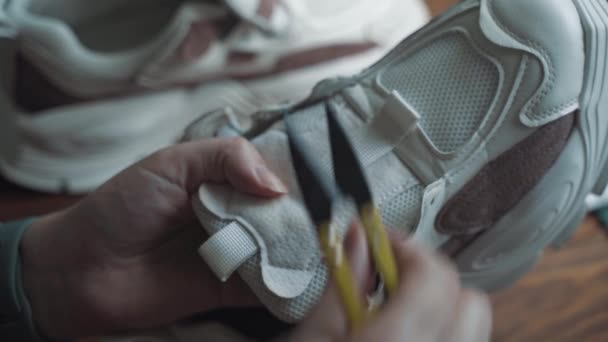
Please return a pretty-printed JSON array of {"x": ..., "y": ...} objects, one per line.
[
  {"x": 381, "y": 250},
  {"x": 333, "y": 250}
]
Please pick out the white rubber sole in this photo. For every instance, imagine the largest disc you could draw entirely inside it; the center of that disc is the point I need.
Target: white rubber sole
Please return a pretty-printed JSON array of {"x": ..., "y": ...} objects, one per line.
[{"x": 502, "y": 255}]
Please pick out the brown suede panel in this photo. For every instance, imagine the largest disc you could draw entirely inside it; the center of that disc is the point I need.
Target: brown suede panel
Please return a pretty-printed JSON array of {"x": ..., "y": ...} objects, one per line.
[{"x": 503, "y": 182}]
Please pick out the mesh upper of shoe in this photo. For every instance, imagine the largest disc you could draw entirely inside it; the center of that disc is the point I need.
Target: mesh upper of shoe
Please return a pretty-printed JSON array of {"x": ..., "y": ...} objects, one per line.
[{"x": 451, "y": 83}]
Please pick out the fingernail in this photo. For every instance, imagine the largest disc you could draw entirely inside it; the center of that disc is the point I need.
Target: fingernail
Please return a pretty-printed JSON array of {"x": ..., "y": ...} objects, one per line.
[{"x": 270, "y": 180}]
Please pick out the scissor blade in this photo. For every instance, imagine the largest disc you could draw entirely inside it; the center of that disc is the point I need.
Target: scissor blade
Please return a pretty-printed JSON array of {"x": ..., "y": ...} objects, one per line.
[
  {"x": 318, "y": 195},
  {"x": 348, "y": 171},
  {"x": 317, "y": 191},
  {"x": 351, "y": 181}
]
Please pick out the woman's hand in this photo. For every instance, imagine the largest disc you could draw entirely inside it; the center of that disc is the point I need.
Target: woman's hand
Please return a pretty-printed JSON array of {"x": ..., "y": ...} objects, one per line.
[
  {"x": 125, "y": 257},
  {"x": 430, "y": 304}
]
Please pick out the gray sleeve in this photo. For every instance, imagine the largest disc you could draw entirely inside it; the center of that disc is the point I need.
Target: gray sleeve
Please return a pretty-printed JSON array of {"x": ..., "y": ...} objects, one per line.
[{"x": 16, "y": 322}]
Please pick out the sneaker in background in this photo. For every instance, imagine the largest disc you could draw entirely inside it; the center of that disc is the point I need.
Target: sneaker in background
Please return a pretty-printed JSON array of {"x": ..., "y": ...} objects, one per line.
[{"x": 90, "y": 87}]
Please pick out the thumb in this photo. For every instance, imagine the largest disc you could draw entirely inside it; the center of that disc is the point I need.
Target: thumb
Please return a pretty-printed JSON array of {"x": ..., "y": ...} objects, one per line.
[
  {"x": 327, "y": 321},
  {"x": 232, "y": 160}
]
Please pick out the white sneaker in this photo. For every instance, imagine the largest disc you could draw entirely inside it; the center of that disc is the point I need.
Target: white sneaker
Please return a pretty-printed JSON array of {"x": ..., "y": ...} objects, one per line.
[
  {"x": 91, "y": 87},
  {"x": 481, "y": 135}
]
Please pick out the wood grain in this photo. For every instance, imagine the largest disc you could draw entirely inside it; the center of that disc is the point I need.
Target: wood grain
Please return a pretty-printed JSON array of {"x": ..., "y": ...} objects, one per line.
[{"x": 564, "y": 299}]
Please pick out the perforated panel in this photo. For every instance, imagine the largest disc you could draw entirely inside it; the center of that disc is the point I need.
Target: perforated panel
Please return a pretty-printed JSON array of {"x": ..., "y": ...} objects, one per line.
[
  {"x": 450, "y": 85},
  {"x": 402, "y": 211},
  {"x": 287, "y": 310}
]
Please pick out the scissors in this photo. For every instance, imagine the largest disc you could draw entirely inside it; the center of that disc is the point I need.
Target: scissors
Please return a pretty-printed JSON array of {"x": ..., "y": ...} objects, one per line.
[{"x": 319, "y": 193}]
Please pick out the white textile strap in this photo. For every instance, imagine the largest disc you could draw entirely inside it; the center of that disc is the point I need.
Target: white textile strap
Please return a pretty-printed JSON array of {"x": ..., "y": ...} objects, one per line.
[
  {"x": 7, "y": 28},
  {"x": 412, "y": 146},
  {"x": 227, "y": 250}
]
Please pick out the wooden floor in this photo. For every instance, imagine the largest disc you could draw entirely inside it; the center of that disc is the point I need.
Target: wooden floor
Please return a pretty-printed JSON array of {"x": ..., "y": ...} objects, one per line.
[{"x": 564, "y": 299}]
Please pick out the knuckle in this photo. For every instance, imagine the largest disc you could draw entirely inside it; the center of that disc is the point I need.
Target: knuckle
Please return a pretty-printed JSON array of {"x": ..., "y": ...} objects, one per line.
[
  {"x": 437, "y": 265},
  {"x": 421, "y": 261},
  {"x": 433, "y": 274},
  {"x": 164, "y": 155}
]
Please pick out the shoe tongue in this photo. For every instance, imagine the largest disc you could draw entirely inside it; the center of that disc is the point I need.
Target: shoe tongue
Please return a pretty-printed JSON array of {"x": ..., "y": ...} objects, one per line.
[{"x": 269, "y": 16}]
